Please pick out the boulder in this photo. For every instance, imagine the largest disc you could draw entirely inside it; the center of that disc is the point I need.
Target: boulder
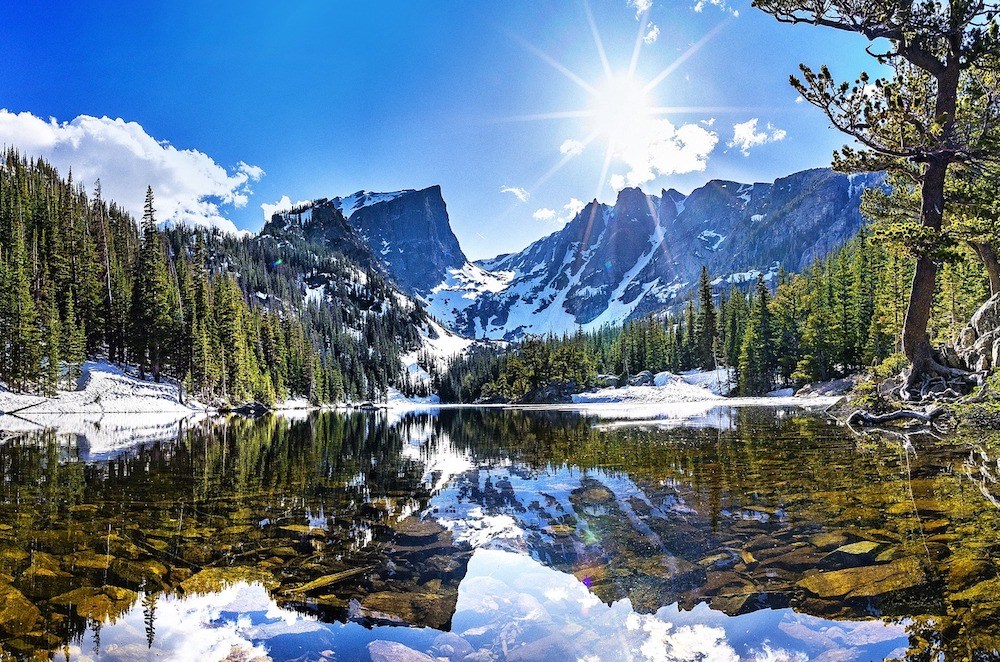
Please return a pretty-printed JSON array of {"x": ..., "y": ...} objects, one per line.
[
  {"x": 833, "y": 387},
  {"x": 987, "y": 318},
  {"x": 17, "y": 614},
  {"x": 978, "y": 345},
  {"x": 644, "y": 378},
  {"x": 608, "y": 381},
  {"x": 391, "y": 651},
  {"x": 866, "y": 581},
  {"x": 553, "y": 393}
]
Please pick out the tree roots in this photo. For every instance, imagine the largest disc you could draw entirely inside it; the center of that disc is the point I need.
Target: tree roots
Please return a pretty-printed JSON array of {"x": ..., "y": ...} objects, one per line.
[{"x": 938, "y": 383}]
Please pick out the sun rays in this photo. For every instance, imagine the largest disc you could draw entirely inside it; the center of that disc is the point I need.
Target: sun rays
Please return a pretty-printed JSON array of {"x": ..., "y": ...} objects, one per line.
[{"x": 621, "y": 110}]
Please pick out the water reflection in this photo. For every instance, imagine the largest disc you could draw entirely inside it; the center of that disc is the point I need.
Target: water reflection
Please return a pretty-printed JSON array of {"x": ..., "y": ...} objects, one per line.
[{"x": 498, "y": 534}]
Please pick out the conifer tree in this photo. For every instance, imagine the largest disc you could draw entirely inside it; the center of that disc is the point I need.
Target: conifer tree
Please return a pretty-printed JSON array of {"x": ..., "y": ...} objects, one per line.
[
  {"x": 756, "y": 358},
  {"x": 152, "y": 313},
  {"x": 707, "y": 333}
]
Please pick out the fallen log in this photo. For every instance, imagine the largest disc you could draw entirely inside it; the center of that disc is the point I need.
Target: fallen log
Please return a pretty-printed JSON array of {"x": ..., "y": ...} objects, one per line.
[
  {"x": 14, "y": 412},
  {"x": 861, "y": 417}
]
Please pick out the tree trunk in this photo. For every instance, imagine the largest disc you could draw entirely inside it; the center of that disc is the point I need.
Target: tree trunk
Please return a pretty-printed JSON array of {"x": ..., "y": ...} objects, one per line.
[
  {"x": 916, "y": 343},
  {"x": 988, "y": 255}
]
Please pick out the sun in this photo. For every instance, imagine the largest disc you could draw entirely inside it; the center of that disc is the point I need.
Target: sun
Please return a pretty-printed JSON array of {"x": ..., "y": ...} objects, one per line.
[{"x": 621, "y": 109}]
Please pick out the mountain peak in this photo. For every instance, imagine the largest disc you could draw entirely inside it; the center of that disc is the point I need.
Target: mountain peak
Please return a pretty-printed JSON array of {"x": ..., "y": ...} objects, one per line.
[
  {"x": 410, "y": 233},
  {"x": 645, "y": 253}
]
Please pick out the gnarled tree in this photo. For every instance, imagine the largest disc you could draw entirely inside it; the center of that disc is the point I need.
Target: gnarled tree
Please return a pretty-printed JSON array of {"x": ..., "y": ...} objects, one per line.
[{"x": 907, "y": 122}]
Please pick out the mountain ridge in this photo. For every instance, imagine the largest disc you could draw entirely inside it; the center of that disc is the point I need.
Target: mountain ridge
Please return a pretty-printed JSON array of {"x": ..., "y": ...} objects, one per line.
[{"x": 609, "y": 263}]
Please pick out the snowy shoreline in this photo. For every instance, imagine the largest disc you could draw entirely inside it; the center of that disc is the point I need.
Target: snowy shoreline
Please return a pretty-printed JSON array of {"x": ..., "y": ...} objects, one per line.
[
  {"x": 105, "y": 388},
  {"x": 113, "y": 411}
]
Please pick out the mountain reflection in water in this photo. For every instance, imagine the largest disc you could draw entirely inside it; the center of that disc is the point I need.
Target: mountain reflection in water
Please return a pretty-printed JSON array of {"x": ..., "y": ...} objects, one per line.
[{"x": 740, "y": 533}]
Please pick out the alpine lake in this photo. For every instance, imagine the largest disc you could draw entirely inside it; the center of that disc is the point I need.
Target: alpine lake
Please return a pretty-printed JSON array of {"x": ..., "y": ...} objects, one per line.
[{"x": 714, "y": 532}]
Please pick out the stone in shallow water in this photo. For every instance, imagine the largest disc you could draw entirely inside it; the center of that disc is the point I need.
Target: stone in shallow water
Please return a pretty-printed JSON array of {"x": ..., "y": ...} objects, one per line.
[
  {"x": 987, "y": 592},
  {"x": 98, "y": 604},
  {"x": 212, "y": 580},
  {"x": 828, "y": 539},
  {"x": 413, "y": 608},
  {"x": 452, "y": 646},
  {"x": 391, "y": 651},
  {"x": 866, "y": 581},
  {"x": 303, "y": 530},
  {"x": 139, "y": 572},
  {"x": 552, "y": 647},
  {"x": 90, "y": 560},
  {"x": 863, "y": 547},
  {"x": 17, "y": 614},
  {"x": 965, "y": 569}
]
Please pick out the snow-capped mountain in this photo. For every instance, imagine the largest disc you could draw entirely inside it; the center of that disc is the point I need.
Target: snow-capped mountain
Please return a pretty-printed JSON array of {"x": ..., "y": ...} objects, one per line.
[
  {"x": 407, "y": 231},
  {"x": 610, "y": 263},
  {"x": 645, "y": 252}
]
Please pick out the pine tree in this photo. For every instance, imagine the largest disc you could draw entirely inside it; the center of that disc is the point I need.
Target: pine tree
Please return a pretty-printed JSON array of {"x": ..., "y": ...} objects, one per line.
[
  {"x": 911, "y": 124},
  {"x": 756, "y": 358},
  {"x": 74, "y": 345},
  {"x": 706, "y": 333},
  {"x": 153, "y": 303}
]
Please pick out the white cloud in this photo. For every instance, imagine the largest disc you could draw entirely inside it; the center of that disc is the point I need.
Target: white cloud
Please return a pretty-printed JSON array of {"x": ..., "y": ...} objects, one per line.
[
  {"x": 746, "y": 135},
  {"x": 285, "y": 204},
  {"x": 574, "y": 207},
  {"x": 640, "y": 6},
  {"x": 189, "y": 187},
  {"x": 709, "y": 122},
  {"x": 572, "y": 147},
  {"x": 723, "y": 5},
  {"x": 569, "y": 212},
  {"x": 652, "y": 33},
  {"x": 664, "y": 150},
  {"x": 800, "y": 99},
  {"x": 518, "y": 192}
]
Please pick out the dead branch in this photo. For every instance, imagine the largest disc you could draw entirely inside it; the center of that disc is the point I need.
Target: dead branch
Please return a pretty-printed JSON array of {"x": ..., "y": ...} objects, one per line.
[{"x": 864, "y": 418}]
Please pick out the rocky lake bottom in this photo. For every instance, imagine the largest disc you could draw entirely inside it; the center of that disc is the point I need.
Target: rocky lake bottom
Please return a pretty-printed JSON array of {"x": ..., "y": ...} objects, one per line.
[{"x": 757, "y": 533}]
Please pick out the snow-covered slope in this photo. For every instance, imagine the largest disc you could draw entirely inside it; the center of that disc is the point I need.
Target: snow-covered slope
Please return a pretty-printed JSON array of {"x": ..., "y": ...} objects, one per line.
[
  {"x": 352, "y": 203},
  {"x": 103, "y": 388}
]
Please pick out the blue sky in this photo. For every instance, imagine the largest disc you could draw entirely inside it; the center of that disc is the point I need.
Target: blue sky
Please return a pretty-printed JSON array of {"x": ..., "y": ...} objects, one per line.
[{"x": 312, "y": 99}]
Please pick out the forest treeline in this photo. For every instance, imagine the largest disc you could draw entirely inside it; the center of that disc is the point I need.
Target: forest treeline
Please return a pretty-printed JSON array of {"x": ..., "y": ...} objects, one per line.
[
  {"x": 228, "y": 317},
  {"x": 842, "y": 315}
]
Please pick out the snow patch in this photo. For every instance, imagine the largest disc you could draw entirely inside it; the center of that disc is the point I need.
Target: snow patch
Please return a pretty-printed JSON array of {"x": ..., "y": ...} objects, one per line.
[
  {"x": 712, "y": 239},
  {"x": 104, "y": 388},
  {"x": 352, "y": 203}
]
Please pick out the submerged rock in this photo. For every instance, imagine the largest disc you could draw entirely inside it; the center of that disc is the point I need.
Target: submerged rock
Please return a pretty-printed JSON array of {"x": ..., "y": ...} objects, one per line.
[
  {"x": 17, "y": 614},
  {"x": 99, "y": 604},
  {"x": 212, "y": 580},
  {"x": 392, "y": 651},
  {"x": 866, "y": 581}
]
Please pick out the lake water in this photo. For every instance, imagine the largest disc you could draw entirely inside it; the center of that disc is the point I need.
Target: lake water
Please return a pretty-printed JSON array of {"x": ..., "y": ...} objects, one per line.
[{"x": 714, "y": 533}]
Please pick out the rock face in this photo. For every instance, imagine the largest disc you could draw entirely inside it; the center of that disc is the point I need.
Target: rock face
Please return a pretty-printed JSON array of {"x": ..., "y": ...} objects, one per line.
[
  {"x": 978, "y": 345},
  {"x": 411, "y": 235},
  {"x": 644, "y": 253}
]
